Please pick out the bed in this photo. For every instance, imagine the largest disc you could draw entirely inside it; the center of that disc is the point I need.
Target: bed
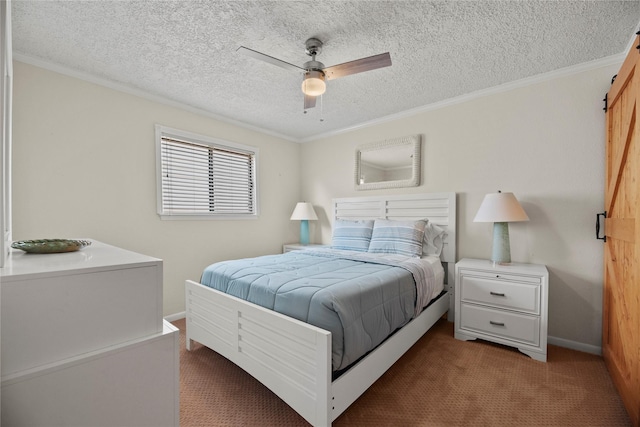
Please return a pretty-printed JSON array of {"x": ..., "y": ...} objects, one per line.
[{"x": 295, "y": 359}]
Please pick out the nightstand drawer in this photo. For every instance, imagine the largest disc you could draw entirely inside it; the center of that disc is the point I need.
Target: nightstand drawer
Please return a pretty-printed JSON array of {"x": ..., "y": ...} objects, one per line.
[
  {"x": 517, "y": 296},
  {"x": 512, "y": 326},
  {"x": 500, "y": 275}
]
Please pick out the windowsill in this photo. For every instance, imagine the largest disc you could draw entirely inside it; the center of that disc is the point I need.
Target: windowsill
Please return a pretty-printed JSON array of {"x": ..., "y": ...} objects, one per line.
[{"x": 188, "y": 217}]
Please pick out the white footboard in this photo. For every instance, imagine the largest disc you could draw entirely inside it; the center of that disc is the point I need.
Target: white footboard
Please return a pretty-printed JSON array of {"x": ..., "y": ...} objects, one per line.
[{"x": 291, "y": 358}]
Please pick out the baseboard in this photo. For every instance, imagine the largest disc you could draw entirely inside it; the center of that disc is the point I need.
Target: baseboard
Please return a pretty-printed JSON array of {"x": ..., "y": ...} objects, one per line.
[
  {"x": 574, "y": 345},
  {"x": 176, "y": 316}
]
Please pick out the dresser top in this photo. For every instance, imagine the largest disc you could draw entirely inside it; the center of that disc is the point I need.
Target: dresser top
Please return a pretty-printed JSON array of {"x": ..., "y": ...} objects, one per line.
[{"x": 96, "y": 257}]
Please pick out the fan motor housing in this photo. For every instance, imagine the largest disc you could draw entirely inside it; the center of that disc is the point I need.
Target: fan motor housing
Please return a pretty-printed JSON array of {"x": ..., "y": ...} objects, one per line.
[
  {"x": 313, "y": 66},
  {"x": 313, "y": 46}
]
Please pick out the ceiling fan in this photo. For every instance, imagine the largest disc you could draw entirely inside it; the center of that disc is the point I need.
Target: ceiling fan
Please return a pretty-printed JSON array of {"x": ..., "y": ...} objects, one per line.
[{"x": 315, "y": 73}]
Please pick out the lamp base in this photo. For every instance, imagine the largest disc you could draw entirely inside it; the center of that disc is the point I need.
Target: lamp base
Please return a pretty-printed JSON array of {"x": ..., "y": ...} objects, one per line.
[
  {"x": 501, "y": 254},
  {"x": 304, "y": 232}
]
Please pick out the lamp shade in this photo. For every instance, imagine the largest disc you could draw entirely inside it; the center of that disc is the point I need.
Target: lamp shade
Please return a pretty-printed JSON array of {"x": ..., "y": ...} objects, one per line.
[
  {"x": 500, "y": 207},
  {"x": 304, "y": 211},
  {"x": 313, "y": 83}
]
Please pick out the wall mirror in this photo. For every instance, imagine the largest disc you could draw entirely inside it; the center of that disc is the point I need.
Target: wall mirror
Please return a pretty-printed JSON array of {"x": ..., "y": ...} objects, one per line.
[{"x": 392, "y": 163}]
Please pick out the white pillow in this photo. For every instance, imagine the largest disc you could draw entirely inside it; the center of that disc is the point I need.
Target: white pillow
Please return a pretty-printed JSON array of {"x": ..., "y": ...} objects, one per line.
[
  {"x": 433, "y": 239},
  {"x": 398, "y": 237}
]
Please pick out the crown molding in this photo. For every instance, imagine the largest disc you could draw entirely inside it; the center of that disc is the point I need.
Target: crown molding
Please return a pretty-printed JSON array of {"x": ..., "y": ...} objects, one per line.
[
  {"x": 141, "y": 94},
  {"x": 562, "y": 72}
]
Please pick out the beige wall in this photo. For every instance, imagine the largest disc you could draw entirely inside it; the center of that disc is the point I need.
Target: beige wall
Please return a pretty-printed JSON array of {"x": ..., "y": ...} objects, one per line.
[
  {"x": 84, "y": 166},
  {"x": 544, "y": 142}
]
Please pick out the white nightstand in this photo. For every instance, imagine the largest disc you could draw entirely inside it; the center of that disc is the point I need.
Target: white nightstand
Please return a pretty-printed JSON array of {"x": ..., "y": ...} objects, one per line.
[
  {"x": 288, "y": 247},
  {"x": 506, "y": 304}
]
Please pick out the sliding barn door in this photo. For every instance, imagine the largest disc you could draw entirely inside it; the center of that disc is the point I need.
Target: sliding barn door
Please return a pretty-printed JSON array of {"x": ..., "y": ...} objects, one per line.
[{"x": 621, "y": 311}]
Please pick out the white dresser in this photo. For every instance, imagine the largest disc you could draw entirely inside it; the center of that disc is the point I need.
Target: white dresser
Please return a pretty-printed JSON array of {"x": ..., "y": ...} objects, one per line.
[
  {"x": 506, "y": 304},
  {"x": 83, "y": 341}
]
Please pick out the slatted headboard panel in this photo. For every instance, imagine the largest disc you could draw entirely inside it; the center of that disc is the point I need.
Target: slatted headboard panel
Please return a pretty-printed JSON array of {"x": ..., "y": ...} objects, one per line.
[{"x": 439, "y": 208}]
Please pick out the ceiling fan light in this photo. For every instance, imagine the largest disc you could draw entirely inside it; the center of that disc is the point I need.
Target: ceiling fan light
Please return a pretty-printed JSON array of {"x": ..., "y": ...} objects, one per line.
[{"x": 313, "y": 83}]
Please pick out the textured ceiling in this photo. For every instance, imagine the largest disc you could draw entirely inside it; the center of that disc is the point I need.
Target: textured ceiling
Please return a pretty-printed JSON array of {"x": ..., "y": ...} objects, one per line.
[{"x": 185, "y": 51}]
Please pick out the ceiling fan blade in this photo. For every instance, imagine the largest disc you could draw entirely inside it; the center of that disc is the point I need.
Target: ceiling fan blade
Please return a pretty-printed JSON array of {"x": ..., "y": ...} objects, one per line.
[
  {"x": 270, "y": 59},
  {"x": 309, "y": 102},
  {"x": 357, "y": 66}
]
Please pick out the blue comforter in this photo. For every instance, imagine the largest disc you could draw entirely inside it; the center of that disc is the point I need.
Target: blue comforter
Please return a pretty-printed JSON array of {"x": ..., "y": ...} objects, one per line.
[{"x": 360, "y": 302}]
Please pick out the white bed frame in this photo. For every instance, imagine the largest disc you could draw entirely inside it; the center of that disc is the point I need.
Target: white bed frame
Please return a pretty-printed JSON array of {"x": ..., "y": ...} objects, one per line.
[{"x": 293, "y": 358}]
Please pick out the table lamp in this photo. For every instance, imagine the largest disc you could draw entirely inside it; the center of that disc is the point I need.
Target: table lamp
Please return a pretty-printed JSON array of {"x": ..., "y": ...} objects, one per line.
[
  {"x": 304, "y": 212},
  {"x": 501, "y": 209}
]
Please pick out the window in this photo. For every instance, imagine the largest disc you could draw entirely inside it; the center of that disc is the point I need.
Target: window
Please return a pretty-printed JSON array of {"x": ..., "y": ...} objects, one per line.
[{"x": 200, "y": 177}]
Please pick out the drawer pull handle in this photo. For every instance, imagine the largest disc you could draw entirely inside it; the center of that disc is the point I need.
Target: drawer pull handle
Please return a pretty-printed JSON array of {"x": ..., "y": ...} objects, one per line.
[
  {"x": 496, "y": 323},
  {"x": 497, "y": 294}
]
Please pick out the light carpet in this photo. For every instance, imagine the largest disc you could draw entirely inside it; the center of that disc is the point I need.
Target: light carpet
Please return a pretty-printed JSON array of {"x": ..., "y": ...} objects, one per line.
[{"x": 440, "y": 381}]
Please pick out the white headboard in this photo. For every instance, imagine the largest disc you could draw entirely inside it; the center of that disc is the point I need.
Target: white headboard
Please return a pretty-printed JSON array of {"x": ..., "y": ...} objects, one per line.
[{"x": 440, "y": 208}]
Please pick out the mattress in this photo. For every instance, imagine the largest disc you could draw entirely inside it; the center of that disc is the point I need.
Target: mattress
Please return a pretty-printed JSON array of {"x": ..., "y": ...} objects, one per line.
[{"x": 360, "y": 298}]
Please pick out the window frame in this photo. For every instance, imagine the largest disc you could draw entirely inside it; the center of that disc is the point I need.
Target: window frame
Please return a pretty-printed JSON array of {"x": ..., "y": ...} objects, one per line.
[
  {"x": 167, "y": 132},
  {"x": 6, "y": 114}
]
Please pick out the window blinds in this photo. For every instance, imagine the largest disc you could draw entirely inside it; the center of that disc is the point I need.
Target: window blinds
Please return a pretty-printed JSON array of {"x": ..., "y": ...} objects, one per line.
[{"x": 202, "y": 179}]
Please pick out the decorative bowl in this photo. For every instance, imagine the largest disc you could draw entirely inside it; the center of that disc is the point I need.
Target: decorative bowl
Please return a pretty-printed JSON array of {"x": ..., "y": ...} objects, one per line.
[{"x": 50, "y": 246}]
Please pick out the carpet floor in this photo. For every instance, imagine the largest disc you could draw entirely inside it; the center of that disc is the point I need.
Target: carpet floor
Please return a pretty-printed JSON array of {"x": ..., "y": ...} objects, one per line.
[{"x": 440, "y": 381}]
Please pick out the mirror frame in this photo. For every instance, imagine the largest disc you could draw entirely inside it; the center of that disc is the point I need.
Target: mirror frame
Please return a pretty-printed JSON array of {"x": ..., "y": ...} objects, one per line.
[{"x": 414, "y": 181}]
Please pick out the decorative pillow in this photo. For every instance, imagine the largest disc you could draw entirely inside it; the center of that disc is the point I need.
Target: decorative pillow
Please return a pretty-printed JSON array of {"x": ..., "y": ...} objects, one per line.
[
  {"x": 398, "y": 237},
  {"x": 433, "y": 240},
  {"x": 352, "y": 235}
]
